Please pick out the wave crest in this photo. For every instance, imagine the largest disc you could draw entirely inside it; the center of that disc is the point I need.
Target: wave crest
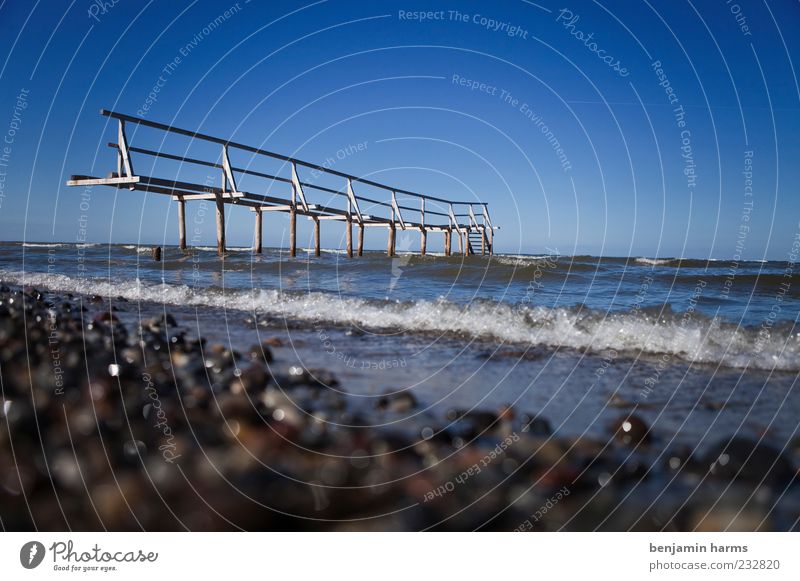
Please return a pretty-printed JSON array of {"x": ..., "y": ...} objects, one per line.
[{"x": 689, "y": 337}]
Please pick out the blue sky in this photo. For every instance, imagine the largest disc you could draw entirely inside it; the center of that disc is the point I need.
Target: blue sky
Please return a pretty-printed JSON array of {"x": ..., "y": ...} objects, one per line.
[{"x": 315, "y": 80}]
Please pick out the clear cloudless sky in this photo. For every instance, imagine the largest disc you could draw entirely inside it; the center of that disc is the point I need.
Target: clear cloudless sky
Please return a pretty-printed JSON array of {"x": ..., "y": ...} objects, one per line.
[{"x": 375, "y": 91}]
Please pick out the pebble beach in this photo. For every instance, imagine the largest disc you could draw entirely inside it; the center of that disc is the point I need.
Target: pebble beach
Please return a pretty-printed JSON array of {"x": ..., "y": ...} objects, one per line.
[{"x": 118, "y": 415}]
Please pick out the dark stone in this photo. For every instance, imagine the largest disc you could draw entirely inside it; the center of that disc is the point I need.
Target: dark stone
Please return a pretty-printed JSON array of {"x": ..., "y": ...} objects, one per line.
[
  {"x": 32, "y": 293},
  {"x": 631, "y": 430},
  {"x": 746, "y": 460},
  {"x": 311, "y": 377},
  {"x": 105, "y": 317},
  {"x": 401, "y": 402},
  {"x": 470, "y": 424},
  {"x": 261, "y": 353},
  {"x": 535, "y": 425}
]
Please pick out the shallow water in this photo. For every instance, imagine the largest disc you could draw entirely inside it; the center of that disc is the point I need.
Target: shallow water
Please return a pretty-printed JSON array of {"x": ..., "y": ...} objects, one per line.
[
  {"x": 580, "y": 341},
  {"x": 738, "y": 315}
]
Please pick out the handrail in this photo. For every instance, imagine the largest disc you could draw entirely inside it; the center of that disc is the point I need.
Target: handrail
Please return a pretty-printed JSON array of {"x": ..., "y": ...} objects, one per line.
[{"x": 286, "y": 158}]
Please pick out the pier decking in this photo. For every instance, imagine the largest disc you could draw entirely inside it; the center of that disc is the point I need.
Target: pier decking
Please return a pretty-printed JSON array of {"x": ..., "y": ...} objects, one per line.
[{"x": 469, "y": 221}]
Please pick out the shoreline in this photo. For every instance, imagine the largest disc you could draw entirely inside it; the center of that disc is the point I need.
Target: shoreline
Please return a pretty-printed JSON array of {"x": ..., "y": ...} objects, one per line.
[{"x": 157, "y": 417}]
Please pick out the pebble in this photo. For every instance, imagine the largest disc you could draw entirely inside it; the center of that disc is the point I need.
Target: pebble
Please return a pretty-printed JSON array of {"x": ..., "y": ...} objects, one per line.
[
  {"x": 631, "y": 430},
  {"x": 399, "y": 402},
  {"x": 743, "y": 459}
]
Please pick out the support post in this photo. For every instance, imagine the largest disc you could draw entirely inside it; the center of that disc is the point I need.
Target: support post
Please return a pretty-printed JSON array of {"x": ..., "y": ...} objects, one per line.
[
  {"x": 349, "y": 235},
  {"x": 423, "y": 233},
  {"x": 182, "y": 224},
  {"x": 390, "y": 249},
  {"x": 491, "y": 242},
  {"x": 448, "y": 234},
  {"x": 293, "y": 230},
  {"x": 316, "y": 236},
  {"x": 360, "y": 238},
  {"x": 483, "y": 242},
  {"x": 220, "y": 226},
  {"x": 466, "y": 242},
  {"x": 460, "y": 241},
  {"x": 257, "y": 248},
  {"x": 349, "y": 223}
]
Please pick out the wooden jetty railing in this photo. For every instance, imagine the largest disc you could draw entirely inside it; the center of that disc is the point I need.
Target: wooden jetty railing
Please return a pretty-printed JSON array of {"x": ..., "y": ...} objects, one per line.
[{"x": 440, "y": 215}]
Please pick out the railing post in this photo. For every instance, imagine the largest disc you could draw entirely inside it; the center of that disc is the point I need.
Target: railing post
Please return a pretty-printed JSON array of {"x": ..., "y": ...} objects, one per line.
[
  {"x": 297, "y": 188},
  {"x": 122, "y": 143},
  {"x": 488, "y": 222},
  {"x": 396, "y": 214},
  {"x": 124, "y": 160},
  {"x": 227, "y": 172}
]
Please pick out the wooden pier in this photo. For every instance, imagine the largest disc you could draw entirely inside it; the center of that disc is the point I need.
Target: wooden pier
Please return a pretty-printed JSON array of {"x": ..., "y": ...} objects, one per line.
[{"x": 469, "y": 221}]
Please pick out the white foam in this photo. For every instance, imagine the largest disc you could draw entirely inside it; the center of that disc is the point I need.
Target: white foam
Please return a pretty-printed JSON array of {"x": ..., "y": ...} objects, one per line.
[
  {"x": 522, "y": 260},
  {"x": 695, "y": 339},
  {"x": 656, "y": 261}
]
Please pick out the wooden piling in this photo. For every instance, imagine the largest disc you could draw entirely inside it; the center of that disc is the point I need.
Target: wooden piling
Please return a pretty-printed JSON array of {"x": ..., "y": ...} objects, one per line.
[
  {"x": 390, "y": 248},
  {"x": 423, "y": 241},
  {"x": 448, "y": 235},
  {"x": 157, "y": 254},
  {"x": 316, "y": 236},
  {"x": 360, "y": 239},
  {"x": 258, "y": 232},
  {"x": 293, "y": 231},
  {"x": 483, "y": 243},
  {"x": 349, "y": 235},
  {"x": 182, "y": 224},
  {"x": 460, "y": 241},
  {"x": 220, "y": 226}
]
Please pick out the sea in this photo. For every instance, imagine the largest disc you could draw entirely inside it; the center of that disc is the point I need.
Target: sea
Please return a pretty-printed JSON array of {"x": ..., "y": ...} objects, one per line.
[{"x": 700, "y": 349}]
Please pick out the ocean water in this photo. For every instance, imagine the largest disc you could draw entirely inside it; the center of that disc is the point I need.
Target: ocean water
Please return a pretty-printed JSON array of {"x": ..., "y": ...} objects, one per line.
[
  {"x": 717, "y": 312},
  {"x": 699, "y": 348}
]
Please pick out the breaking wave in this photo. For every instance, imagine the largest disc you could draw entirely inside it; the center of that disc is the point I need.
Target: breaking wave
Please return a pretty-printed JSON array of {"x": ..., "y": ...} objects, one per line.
[{"x": 690, "y": 338}]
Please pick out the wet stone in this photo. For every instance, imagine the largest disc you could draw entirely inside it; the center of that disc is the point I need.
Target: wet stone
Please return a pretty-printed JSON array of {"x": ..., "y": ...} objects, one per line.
[
  {"x": 401, "y": 402},
  {"x": 631, "y": 430},
  {"x": 751, "y": 461}
]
